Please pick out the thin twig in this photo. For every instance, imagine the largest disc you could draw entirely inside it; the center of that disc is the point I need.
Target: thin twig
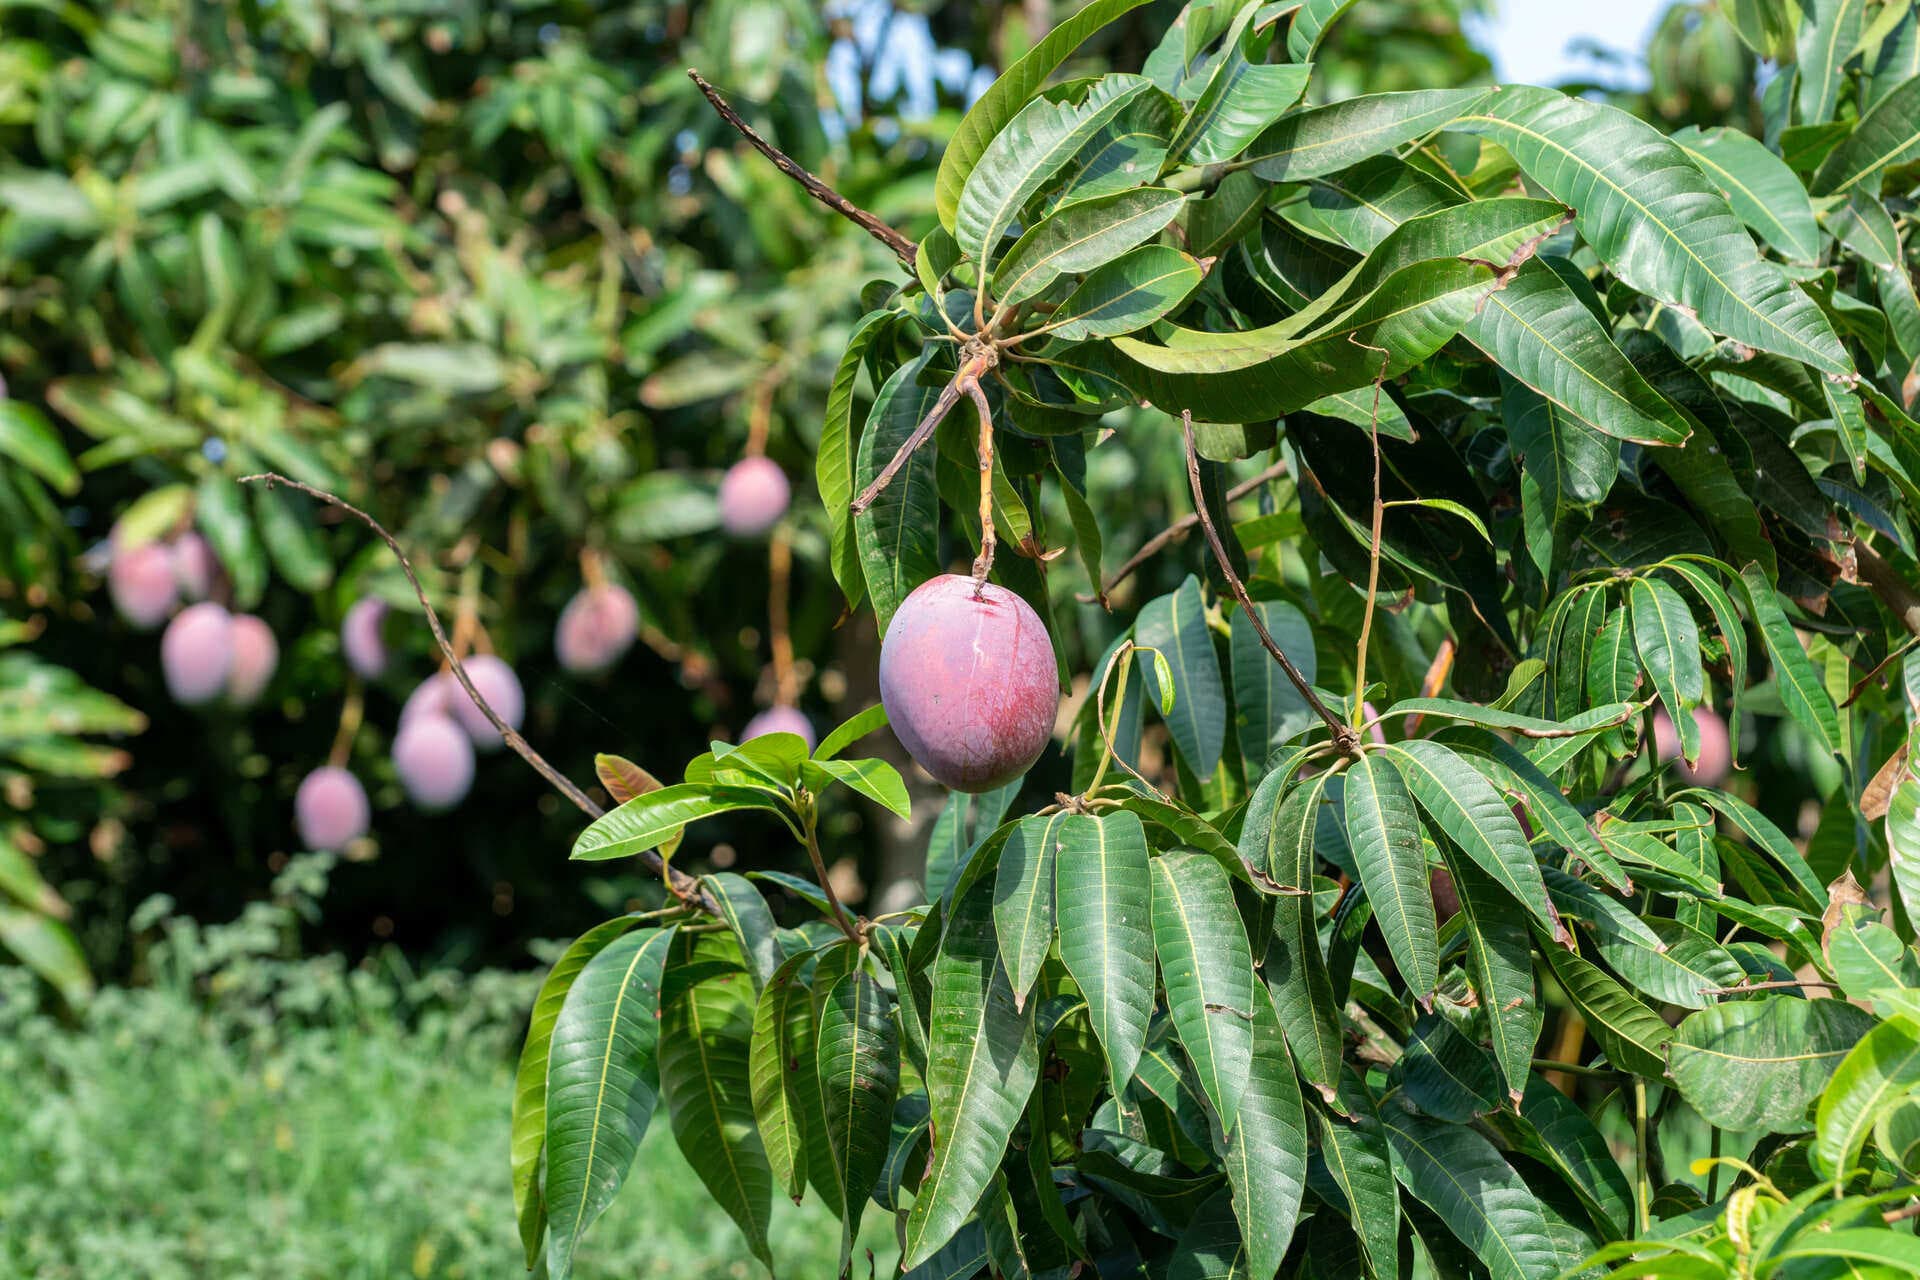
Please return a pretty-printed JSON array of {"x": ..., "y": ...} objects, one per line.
[
  {"x": 683, "y": 885},
  {"x": 1373, "y": 558},
  {"x": 812, "y": 841},
  {"x": 1154, "y": 545},
  {"x": 949, "y": 397},
  {"x": 1343, "y": 735},
  {"x": 903, "y": 248}
]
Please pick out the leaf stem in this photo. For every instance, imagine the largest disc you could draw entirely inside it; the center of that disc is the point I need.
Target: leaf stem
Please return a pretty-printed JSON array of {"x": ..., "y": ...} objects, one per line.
[
  {"x": 1344, "y": 736},
  {"x": 983, "y": 563},
  {"x": 809, "y": 822},
  {"x": 1358, "y": 710}
]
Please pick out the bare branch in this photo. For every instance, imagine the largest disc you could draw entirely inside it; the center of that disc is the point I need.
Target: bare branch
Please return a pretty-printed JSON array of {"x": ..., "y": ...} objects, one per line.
[
  {"x": 683, "y": 886},
  {"x": 1344, "y": 736},
  {"x": 903, "y": 248},
  {"x": 969, "y": 372}
]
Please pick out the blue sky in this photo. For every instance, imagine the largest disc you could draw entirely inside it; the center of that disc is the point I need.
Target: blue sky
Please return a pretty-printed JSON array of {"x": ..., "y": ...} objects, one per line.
[{"x": 1528, "y": 39}]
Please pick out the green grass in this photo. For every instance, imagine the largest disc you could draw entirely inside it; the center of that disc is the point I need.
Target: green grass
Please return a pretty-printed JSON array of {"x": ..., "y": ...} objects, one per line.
[{"x": 251, "y": 1117}]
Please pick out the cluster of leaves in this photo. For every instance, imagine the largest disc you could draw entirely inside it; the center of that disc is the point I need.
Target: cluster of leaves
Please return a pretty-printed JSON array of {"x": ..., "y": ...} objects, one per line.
[
  {"x": 1567, "y": 449},
  {"x": 56, "y": 775}
]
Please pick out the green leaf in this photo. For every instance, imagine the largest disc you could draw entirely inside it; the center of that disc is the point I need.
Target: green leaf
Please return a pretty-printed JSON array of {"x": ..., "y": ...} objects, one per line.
[
  {"x": 529, "y": 1127},
  {"x": 1241, "y": 99},
  {"x": 898, "y": 536},
  {"x": 1080, "y": 237},
  {"x": 1460, "y": 1176},
  {"x": 1669, "y": 643},
  {"x": 1766, "y": 836},
  {"x": 1176, "y": 626},
  {"x": 1500, "y": 962},
  {"x": 1023, "y": 899},
  {"x": 30, "y": 440},
  {"x": 1105, "y": 896},
  {"x": 1266, "y": 1151},
  {"x": 1310, "y": 25},
  {"x": 645, "y": 821},
  {"x": 1033, "y": 147},
  {"x": 1206, "y": 968},
  {"x": 1446, "y": 1075},
  {"x": 1577, "y": 1150},
  {"x": 747, "y": 915},
  {"x": 1537, "y": 330},
  {"x": 706, "y": 1033},
  {"x": 1763, "y": 192},
  {"x": 1628, "y": 1032},
  {"x": 1656, "y": 220},
  {"x": 292, "y": 538},
  {"x": 1680, "y": 970},
  {"x": 1883, "y": 1064},
  {"x": 833, "y": 459},
  {"x": 1570, "y": 463},
  {"x": 1357, "y": 1155},
  {"x": 49, "y": 948},
  {"x": 1903, "y": 843},
  {"x": 1323, "y": 140},
  {"x": 859, "y": 1065},
  {"x": 1887, "y": 136},
  {"x": 1801, "y": 689},
  {"x": 1268, "y": 709},
  {"x": 982, "y": 1066},
  {"x": 1278, "y": 837},
  {"x": 965, "y": 823},
  {"x": 1005, "y": 97},
  {"x": 783, "y": 1019},
  {"x": 1462, "y": 803},
  {"x": 1898, "y": 1253},
  {"x": 1384, "y": 833},
  {"x": 1261, "y": 374},
  {"x": 1829, "y": 30},
  {"x": 877, "y": 780},
  {"x": 1126, "y": 294},
  {"x": 851, "y": 730},
  {"x": 1759, "y": 1064},
  {"x": 602, "y": 1081}
]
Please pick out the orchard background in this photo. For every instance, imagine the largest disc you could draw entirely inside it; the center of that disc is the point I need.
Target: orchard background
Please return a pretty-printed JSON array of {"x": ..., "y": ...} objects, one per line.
[{"x": 501, "y": 277}]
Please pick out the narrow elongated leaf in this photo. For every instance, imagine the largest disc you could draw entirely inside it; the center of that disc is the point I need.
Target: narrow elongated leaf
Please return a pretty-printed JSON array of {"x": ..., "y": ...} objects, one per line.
[
  {"x": 1176, "y": 625},
  {"x": 1268, "y": 709},
  {"x": 898, "y": 536},
  {"x": 1323, "y": 140},
  {"x": 782, "y": 1019},
  {"x": 982, "y": 1063},
  {"x": 1446, "y": 1075},
  {"x": 1358, "y": 1157},
  {"x": 1499, "y": 953},
  {"x": 833, "y": 459},
  {"x": 1681, "y": 970},
  {"x": 1767, "y": 837},
  {"x": 1570, "y": 463},
  {"x": 1384, "y": 833},
  {"x": 1310, "y": 25},
  {"x": 1903, "y": 843},
  {"x": 1034, "y": 146},
  {"x": 1266, "y": 1152},
  {"x": 746, "y": 913},
  {"x": 1656, "y": 220},
  {"x": 1887, "y": 135},
  {"x": 1628, "y": 1032},
  {"x": 1765, "y": 194},
  {"x": 1573, "y": 1146},
  {"x": 1882, "y": 1065},
  {"x": 1207, "y": 970},
  {"x": 859, "y": 1064},
  {"x": 30, "y": 440},
  {"x": 648, "y": 820},
  {"x": 1539, "y": 331},
  {"x": 1460, "y": 1176},
  {"x": 1759, "y": 1064},
  {"x": 706, "y": 1034},
  {"x": 1278, "y": 837},
  {"x": 1801, "y": 690},
  {"x": 1126, "y": 294},
  {"x": 1829, "y": 30},
  {"x": 1462, "y": 803},
  {"x": 1668, "y": 640},
  {"x": 1081, "y": 236},
  {"x": 1128, "y": 152},
  {"x": 1550, "y": 809},
  {"x": 1023, "y": 898},
  {"x": 1895, "y": 1252},
  {"x": 1010, "y": 92},
  {"x": 530, "y": 1079},
  {"x": 1240, "y": 100},
  {"x": 602, "y": 1081}
]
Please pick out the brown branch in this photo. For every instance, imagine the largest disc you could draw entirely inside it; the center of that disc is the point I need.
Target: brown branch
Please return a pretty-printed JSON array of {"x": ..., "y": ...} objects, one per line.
[
  {"x": 903, "y": 248},
  {"x": 1344, "y": 737},
  {"x": 950, "y": 394},
  {"x": 1154, "y": 545},
  {"x": 1885, "y": 582},
  {"x": 683, "y": 886},
  {"x": 1784, "y": 984}
]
